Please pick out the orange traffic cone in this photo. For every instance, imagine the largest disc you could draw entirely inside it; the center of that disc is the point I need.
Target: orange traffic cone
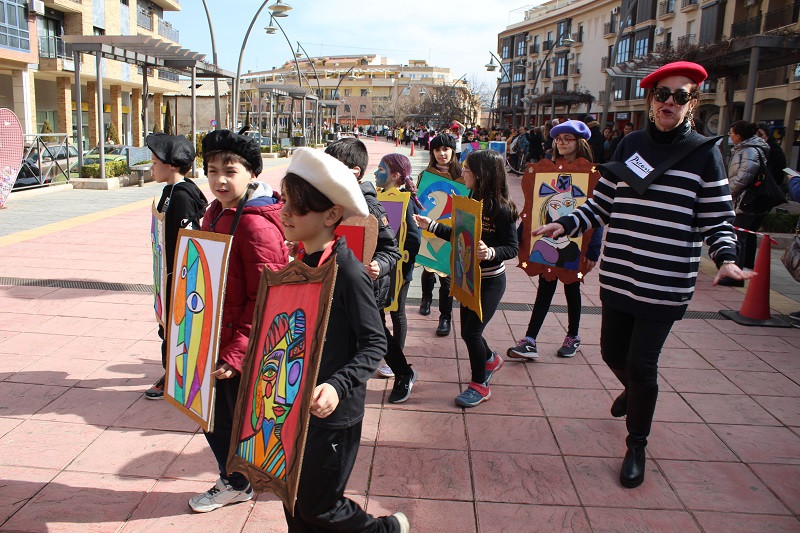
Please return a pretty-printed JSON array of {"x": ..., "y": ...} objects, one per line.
[
  {"x": 396, "y": 141},
  {"x": 755, "y": 308},
  {"x": 376, "y": 137},
  {"x": 412, "y": 149}
]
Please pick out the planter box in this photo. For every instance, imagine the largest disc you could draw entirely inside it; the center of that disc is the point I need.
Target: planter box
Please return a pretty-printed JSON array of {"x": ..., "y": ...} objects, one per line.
[{"x": 108, "y": 183}]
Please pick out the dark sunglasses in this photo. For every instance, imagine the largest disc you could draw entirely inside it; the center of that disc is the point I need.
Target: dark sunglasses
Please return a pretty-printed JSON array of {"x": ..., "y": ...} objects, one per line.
[{"x": 680, "y": 97}]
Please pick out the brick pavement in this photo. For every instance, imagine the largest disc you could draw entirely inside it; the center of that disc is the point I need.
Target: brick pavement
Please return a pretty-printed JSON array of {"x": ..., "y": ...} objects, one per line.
[{"x": 82, "y": 450}]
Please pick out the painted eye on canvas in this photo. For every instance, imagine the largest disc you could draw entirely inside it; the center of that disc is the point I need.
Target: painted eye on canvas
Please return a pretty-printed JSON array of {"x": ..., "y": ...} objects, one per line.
[
  {"x": 194, "y": 302},
  {"x": 183, "y": 273}
]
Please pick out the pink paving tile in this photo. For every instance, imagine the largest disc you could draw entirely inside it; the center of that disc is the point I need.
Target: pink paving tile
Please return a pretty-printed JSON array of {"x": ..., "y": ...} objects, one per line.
[
  {"x": 507, "y": 517},
  {"x": 727, "y": 487},
  {"x": 359, "y": 477},
  {"x": 571, "y": 376},
  {"x": 56, "y": 371},
  {"x": 435, "y": 368},
  {"x": 701, "y": 341},
  {"x": 67, "y": 325},
  {"x": 415, "y": 429},
  {"x": 575, "y": 403},
  {"x": 623, "y": 520},
  {"x": 695, "y": 326},
  {"x": 18, "y": 485},
  {"x": 429, "y": 396},
  {"x": 266, "y": 516},
  {"x": 672, "y": 408},
  {"x": 195, "y": 462},
  {"x": 729, "y": 409},
  {"x": 507, "y": 399},
  {"x": 735, "y": 360},
  {"x": 369, "y": 426},
  {"x": 376, "y": 389},
  {"x": 142, "y": 351},
  {"x": 427, "y": 515},
  {"x": 787, "y": 410},
  {"x": 44, "y": 444},
  {"x": 122, "y": 376},
  {"x": 34, "y": 343},
  {"x": 80, "y": 501},
  {"x": 7, "y": 424},
  {"x": 510, "y": 434},
  {"x": 763, "y": 383},
  {"x": 13, "y": 323},
  {"x": 587, "y": 437},
  {"x": 125, "y": 329},
  {"x": 517, "y": 478},
  {"x": 27, "y": 291},
  {"x": 780, "y": 361},
  {"x": 763, "y": 343},
  {"x": 784, "y": 480},
  {"x": 92, "y": 348},
  {"x": 421, "y": 473},
  {"x": 86, "y": 406},
  {"x": 166, "y": 508},
  {"x": 746, "y": 523},
  {"x": 693, "y": 380},
  {"x": 155, "y": 415},
  {"x": 761, "y": 444},
  {"x": 14, "y": 362},
  {"x": 677, "y": 440},
  {"x": 103, "y": 310},
  {"x": 511, "y": 373},
  {"x": 430, "y": 346},
  {"x": 597, "y": 481},
  {"x": 24, "y": 399},
  {"x": 682, "y": 358},
  {"x": 608, "y": 379}
]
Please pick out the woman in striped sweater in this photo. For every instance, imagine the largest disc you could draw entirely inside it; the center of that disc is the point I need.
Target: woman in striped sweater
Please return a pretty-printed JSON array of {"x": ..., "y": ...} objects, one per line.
[{"x": 662, "y": 194}]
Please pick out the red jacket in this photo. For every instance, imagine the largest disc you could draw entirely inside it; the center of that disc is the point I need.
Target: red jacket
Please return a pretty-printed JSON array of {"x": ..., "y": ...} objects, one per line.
[{"x": 258, "y": 241}]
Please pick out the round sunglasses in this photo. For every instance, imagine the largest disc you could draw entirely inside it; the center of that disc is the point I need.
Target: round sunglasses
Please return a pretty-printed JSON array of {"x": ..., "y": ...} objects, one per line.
[{"x": 680, "y": 97}]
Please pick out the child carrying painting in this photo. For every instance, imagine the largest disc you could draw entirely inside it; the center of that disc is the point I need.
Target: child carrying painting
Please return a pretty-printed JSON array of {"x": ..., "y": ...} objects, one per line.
[
  {"x": 444, "y": 161},
  {"x": 232, "y": 162},
  {"x": 394, "y": 171},
  {"x": 570, "y": 141},
  {"x": 183, "y": 206},
  {"x": 485, "y": 175},
  {"x": 354, "y": 345}
]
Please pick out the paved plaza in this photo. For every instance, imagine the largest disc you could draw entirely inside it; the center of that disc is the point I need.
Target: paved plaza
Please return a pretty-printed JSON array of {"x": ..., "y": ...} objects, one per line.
[{"x": 81, "y": 449}]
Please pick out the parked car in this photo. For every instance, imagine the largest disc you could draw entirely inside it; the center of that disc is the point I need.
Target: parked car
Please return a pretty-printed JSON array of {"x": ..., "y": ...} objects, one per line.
[
  {"x": 266, "y": 141},
  {"x": 54, "y": 162},
  {"x": 113, "y": 152}
]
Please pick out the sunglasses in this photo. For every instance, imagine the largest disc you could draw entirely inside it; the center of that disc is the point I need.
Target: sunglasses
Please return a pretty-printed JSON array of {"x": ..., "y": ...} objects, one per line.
[{"x": 680, "y": 97}]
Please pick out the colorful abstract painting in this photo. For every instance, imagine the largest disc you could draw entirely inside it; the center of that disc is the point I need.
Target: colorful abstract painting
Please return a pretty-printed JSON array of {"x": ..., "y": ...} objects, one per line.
[
  {"x": 201, "y": 266},
  {"x": 499, "y": 146},
  {"x": 11, "y": 147},
  {"x": 361, "y": 236},
  {"x": 468, "y": 148},
  {"x": 465, "y": 284},
  {"x": 553, "y": 190},
  {"x": 279, "y": 375},
  {"x": 396, "y": 204},
  {"x": 435, "y": 193},
  {"x": 159, "y": 264}
]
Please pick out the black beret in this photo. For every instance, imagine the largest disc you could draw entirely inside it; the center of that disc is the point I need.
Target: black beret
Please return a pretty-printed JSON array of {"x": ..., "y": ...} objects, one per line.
[
  {"x": 443, "y": 139},
  {"x": 175, "y": 150},
  {"x": 228, "y": 141}
]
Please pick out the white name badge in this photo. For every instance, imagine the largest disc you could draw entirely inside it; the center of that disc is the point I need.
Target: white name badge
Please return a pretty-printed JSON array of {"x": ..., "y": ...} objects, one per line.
[{"x": 638, "y": 165}]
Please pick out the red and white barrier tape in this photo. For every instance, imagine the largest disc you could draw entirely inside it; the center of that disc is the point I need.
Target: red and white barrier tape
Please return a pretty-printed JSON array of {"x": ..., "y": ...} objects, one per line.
[{"x": 773, "y": 241}]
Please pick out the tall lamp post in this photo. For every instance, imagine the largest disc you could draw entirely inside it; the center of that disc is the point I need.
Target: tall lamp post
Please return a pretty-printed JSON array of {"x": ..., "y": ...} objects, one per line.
[
  {"x": 513, "y": 65},
  {"x": 319, "y": 87},
  {"x": 560, "y": 41},
  {"x": 336, "y": 92},
  {"x": 217, "y": 117},
  {"x": 270, "y": 31}
]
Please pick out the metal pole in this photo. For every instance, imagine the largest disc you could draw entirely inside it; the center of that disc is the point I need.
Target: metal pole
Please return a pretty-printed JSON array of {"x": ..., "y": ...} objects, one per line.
[
  {"x": 752, "y": 77},
  {"x": 296, "y": 64},
  {"x": 145, "y": 90},
  {"x": 100, "y": 125},
  {"x": 239, "y": 66},
  {"x": 194, "y": 117},
  {"x": 216, "y": 67},
  {"x": 78, "y": 106},
  {"x": 271, "y": 130}
]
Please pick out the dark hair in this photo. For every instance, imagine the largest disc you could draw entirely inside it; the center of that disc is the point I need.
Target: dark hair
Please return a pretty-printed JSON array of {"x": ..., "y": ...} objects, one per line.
[
  {"x": 628, "y": 124},
  {"x": 491, "y": 184},
  {"x": 583, "y": 150},
  {"x": 182, "y": 169},
  {"x": 302, "y": 196},
  {"x": 765, "y": 127},
  {"x": 225, "y": 157},
  {"x": 351, "y": 152},
  {"x": 744, "y": 128},
  {"x": 454, "y": 167}
]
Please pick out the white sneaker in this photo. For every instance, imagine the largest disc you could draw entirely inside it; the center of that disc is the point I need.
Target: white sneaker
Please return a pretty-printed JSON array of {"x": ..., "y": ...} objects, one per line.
[
  {"x": 405, "y": 526},
  {"x": 218, "y": 496},
  {"x": 384, "y": 371}
]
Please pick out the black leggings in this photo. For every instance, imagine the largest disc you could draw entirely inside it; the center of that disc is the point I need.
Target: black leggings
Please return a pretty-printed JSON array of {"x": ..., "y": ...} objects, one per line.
[
  {"x": 472, "y": 327},
  {"x": 544, "y": 296},
  {"x": 445, "y": 300},
  {"x": 220, "y": 440},
  {"x": 748, "y": 243},
  {"x": 399, "y": 323}
]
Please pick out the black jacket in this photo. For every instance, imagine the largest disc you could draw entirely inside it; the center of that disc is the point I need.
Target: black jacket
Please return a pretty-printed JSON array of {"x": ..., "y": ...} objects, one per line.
[
  {"x": 536, "y": 147},
  {"x": 776, "y": 160},
  {"x": 413, "y": 240},
  {"x": 596, "y": 141},
  {"x": 183, "y": 205},
  {"x": 386, "y": 253},
  {"x": 354, "y": 341}
]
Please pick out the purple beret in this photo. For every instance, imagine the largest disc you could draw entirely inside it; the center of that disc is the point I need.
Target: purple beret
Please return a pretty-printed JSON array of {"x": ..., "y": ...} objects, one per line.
[{"x": 575, "y": 127}]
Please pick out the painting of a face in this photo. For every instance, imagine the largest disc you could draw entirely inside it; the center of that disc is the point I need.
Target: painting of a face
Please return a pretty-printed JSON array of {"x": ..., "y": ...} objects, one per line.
[
  {"x": 559, "y": 205},
  {"x": 156, "y": 236}
]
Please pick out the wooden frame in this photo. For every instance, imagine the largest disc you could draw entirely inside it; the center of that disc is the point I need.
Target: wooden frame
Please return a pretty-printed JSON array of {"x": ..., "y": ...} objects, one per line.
[
  {"x": 361, "y": 234},
  {"x": 395, "y": 203},
  {"x": 279, "y": 375},
  {"x": 465, "y": 284},
  {"x": 573, "y": 181},
  {"x": 435, "y": 193},
  {"x": 193, "y": 328},
  {"x": 158, "y": 246}
]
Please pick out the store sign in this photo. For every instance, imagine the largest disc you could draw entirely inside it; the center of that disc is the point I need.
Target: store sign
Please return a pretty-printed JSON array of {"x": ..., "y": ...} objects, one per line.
[{"x": 622, "y": 116}]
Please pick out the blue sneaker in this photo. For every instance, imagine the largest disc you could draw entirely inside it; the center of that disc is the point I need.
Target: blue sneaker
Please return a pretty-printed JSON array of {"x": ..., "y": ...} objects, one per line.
[
  {"x": 474, "y": 395},
  {"x": 493, "y": 365}
]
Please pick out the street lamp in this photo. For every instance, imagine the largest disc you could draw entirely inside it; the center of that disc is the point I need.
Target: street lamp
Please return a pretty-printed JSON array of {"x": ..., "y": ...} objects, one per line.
[
  {"x": 513, "y": 65},
  {"x": 560, "y": 40},
  {"x": 336, "y": 90},
  {"x": 297, "y": 54}
]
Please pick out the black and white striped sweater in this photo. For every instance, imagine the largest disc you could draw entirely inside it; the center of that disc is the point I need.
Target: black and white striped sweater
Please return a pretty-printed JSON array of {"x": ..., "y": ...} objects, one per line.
[{"x": 654, "y": 241}]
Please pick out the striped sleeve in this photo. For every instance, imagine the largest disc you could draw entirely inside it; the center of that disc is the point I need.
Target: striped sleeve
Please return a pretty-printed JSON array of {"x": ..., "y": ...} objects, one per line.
[
  {"x": 714, "y": 212},
  {"x": 595, "y": 212}
]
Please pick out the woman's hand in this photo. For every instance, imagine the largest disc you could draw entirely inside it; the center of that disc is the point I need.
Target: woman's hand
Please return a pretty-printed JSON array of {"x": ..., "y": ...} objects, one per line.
[
  {"x": 224, "y": 371},
  {"x": 483, "y": 251},
  {"x": 324, "y": 400},
  {"x": 731, "y": 270},
  {"x": 422, "y": 221},
  {"x": 552, "y": 230}
]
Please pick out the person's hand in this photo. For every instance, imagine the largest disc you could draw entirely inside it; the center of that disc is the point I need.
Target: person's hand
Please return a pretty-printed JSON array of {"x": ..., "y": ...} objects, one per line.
[
  {"x": 224, "y": 371},
  {"x": 483, "y": 251},
  {"x": 373, "y": 270},
  {"x": 731, "y": 270},
  {"x": 552, "y": 230},
  {"x": 422, "y": 221},
  {"x": 324, "y": 400}
]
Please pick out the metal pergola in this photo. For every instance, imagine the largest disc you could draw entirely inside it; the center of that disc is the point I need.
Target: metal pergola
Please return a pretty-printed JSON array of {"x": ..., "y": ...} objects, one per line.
[
  {"x": 294, "y": 92},
  {"x": 146, "y": 52}
]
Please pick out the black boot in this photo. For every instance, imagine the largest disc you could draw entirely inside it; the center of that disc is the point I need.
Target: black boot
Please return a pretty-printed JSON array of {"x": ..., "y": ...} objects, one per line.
[
  {"x": 444, "y": 326},
  {"x": 620, "y": 406},
  {"x": 425, "y": 306},
  {"x": 641, "y": 406}
]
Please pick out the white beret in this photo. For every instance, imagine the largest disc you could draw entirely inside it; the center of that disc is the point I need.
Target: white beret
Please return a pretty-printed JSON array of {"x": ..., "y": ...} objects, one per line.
[{"x": 332, "y": 178}]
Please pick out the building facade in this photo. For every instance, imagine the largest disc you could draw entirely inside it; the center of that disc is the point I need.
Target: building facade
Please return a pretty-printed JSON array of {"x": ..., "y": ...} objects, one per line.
[{"x": 37, "y": 74}]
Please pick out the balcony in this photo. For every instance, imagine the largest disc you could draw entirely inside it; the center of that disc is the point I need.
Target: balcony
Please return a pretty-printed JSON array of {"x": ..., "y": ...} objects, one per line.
[
  {"x": 547, "y": 45},
  {"x": 779, "y": 18},
  {"x": 168, "y": 75},
  {"x": 577, "y": 37},
  {"x": 165, "y": 29},
  {"x": 666, "y": 9},
  {"x": 575, "y": 70},
  {"x": 687, "y": 40},
  {"x": 688, "y": 5},
  {"x": 533, "y": 49},
  {"x": 52, "y": 47},
  {"x": 662, "y": 47},
  {"x": 603, "y": 63},
  {"x": 168, "y": 5},
  {"x": 609, "y": 29},
  {"x": 65, "y": 6},
  {"x": 750, "y": 26},
  {"x": 144, "y": 20}
]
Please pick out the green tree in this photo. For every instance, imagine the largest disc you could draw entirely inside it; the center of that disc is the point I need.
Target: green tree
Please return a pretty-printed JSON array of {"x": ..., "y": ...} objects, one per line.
[
  {"x": 168, "y": 120},
  {"x": 47, "y": 128},
  {"x": 113, "y": 134}
]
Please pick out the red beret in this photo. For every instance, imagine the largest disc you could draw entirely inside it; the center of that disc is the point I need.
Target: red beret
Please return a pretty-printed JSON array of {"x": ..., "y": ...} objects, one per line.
[{"x": 693, "y": 71}]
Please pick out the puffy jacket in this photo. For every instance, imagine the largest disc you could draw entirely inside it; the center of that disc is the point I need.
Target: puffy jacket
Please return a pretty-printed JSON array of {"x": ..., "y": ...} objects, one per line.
[
  {"x": 386, "y": 252},
  {"x": 257, "y": 242},
  {"x": 743, "y": 166}
]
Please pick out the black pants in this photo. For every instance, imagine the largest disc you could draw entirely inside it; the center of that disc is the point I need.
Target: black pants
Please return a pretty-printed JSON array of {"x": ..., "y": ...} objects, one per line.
[
  {"x": 748, "y": 243},
  {"x": 472, "y": 327},
  {"x": 162, "y": 334},
  {"x": 321, "y": 505},
  {"x": 445, "y": 300},
  {"x": 544, "y": 296},
  {"x": 394, "y": 357},
  {"x": 220, "y": 439},
  {"x": 399, "y": 322}
]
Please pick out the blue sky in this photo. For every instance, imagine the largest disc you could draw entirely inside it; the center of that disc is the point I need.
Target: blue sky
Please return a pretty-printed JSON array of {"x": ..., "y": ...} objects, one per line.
[{"x": 455, "y": 34}]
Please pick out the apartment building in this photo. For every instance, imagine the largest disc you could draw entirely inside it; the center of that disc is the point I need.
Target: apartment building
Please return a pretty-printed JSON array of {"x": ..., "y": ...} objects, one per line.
[
  {"x": 565, "y": 45},
  {"x": 37, "y": 75}
]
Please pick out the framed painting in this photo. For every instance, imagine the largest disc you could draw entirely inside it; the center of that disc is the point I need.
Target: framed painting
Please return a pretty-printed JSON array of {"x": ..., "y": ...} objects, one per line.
[
  {"x": 361, "y": 234},
  {"x": 465, "y": 267},
  {"x": 499, "y": 147},
  {"x": 435, "y": 193},
  {"x": 468, "y": 148},
  {"x": 159, "y": 264},
  {"x": 395, "y": 203},
  {"x": 279, "y": 375},
  {"x": 11, "y": 148},
  {"x": 553, "y": 190},
  {"x": 483, "y": 145},
  {"x": 193, "y": 328}
]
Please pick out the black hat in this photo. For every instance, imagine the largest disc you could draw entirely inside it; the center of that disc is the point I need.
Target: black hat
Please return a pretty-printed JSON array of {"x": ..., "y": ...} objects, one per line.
[
  {"x": 175, "y": 150},
  {"x": 228, "y": 141},
  {"x": 443, "y": 139}
]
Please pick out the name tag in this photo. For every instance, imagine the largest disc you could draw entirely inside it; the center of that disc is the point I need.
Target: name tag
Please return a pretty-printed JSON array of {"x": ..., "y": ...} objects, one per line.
[{"x": 638, "y": 165}]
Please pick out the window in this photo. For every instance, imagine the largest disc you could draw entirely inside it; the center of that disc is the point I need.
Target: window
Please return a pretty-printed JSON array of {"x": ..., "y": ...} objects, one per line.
[
  {"x": 535, "y": 43},
  {"x": 504, "y": 73},
  {"x": 362, "y": 108},
  {"x": 623, "y": 50},
  {"x": 364, "y": 92},
  {"x": 98, "y": 31},
  {"x": 123, "y": 2},
  {"x": 642, "y": 46},
  {"x": 504, "y": 52},
  {"x": 638, "y": 92},
  {"x": 563, "y": 30},
  {"x": 561, "y": 65},
  {"x": 346, "y": 108},
  {"x": 560, "y": 86},
  {"x": 347, "y": 92},
  {"x": 520, "y": 45},
  {"x": 14, "y": 25},
  {"x": 519, "y": 72},
  {"x": 334, "y": 94}
]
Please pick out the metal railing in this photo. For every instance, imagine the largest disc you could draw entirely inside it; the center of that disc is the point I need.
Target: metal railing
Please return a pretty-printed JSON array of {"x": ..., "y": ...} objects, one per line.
[
  {"x": 575, "y": 69},
  {"x": 165, "y": 29},
  {"x": 533, "y": 49},
  {"x": 144, "y": 20},
  {"x": 46, "y": 161},
  {"x": 51, "y": 47},
  {"x": 686, "y": 40},
  {"x": 547, "y": 45},
  {"x": 750, "y": 26},
  {"x": 168, "y": 75},
  {"x": 604, "y": 63},
  {"x": 784, "y": 16},
  {"x": 688, "y": 3},
  {"x": 663, "y": 47},
  {"x": 666, "y": 7},
  {"x": 608, "y": 28}
]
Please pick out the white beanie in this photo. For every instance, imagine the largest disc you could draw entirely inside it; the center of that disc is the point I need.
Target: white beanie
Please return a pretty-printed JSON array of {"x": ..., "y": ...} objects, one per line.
[{"x": 332, "y": 178}]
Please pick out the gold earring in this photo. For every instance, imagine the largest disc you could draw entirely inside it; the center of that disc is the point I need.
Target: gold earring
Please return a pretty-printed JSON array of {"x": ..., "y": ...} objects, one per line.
[
  {"x": 690, "y": 116},
  {"x": 651, "y": 115}
]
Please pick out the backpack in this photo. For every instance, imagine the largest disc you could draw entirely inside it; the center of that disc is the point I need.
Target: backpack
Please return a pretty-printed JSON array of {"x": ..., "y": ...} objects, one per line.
[{"x": 763, "y": 193}]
